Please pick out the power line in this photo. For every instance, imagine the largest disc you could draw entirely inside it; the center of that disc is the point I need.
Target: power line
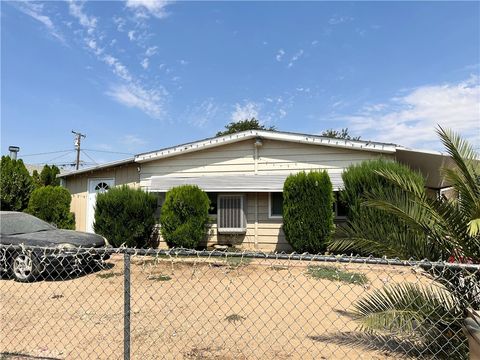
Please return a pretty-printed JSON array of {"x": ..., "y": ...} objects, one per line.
[
  {"x": 78, "y": 141},
  {"x": 88, "y": 156},
  {"x": 48, "y": 152},
  {"x": 110, "y": 152},
  {"x": 58, "y": 157}
]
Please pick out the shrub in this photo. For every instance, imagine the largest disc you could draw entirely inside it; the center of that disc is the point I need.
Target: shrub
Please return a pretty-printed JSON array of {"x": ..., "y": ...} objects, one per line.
[
  {"x": 361, "y": 179},
  {"x": 307, "y": 211},
  {"x": 15, "y": 185},
  {"x": 184, "y": 216},
  {"x": 126, "y": 216},
  {"x": 371, "y": 231},
  {"x": 52, "y": 204}
]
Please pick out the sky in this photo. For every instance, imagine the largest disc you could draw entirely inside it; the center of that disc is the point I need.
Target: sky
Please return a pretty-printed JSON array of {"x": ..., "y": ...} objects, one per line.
[{"x": 136, "y": 76}]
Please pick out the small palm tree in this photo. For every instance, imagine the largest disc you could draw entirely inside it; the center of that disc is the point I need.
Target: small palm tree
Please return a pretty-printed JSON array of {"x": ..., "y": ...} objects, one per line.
[{"x": 430, "y": 315}]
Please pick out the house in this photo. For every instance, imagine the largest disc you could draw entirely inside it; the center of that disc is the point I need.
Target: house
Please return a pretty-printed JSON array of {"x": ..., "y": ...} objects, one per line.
[{"x": 243, "y": 174}]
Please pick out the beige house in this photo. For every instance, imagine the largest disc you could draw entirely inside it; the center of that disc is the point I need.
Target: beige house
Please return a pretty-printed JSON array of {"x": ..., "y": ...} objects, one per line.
[{"x": 243, "y": 174}]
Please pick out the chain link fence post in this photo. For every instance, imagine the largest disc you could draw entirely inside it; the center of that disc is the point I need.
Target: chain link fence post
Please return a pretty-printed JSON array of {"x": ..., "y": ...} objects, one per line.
[{"x": 126, "y": 306}]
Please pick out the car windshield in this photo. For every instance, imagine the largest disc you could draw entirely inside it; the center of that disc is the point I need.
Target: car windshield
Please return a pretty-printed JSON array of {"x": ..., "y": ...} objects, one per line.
[{"x": 20, "y": 223}]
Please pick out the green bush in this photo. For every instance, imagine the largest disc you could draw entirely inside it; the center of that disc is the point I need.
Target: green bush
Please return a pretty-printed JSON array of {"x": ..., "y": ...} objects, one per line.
[
  {"x": 126, "y": 216},
  {"x": 52, "y": 204},
  {"x": 307, "y": 211},
  {"x": 362, "y": 179},
  {"x": 371, "y": 231},
  {"x": 184, "y": 216},
  {"x": 15, "y": 185}
]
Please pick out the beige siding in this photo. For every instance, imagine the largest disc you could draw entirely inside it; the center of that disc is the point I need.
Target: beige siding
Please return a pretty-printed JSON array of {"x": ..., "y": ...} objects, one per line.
[
  {"x": 78, "y": 187},
  {"x": 238, "y": 158}
]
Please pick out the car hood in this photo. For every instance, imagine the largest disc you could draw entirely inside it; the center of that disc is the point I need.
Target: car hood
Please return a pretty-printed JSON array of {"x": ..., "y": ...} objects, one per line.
[{"x": 56, "y": 237}]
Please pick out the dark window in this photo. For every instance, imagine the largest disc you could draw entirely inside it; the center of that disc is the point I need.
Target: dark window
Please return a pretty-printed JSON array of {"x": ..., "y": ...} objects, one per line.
[
  {"x": 276, "y": 204},
  {"x": 213, "y": 203},
  {"x": 340, "y": 206}
]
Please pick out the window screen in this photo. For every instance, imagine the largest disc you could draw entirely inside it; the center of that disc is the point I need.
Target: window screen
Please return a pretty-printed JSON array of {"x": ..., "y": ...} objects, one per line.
[{"x": 276, "y": 204}]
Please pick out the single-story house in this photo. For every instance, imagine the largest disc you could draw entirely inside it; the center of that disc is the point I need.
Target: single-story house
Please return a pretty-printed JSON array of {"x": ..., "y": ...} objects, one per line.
[{"x": 243, "y": 174}]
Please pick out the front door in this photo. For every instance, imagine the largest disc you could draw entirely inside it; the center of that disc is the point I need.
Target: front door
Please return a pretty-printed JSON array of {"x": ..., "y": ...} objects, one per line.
[{"x": 95, "y": 186}]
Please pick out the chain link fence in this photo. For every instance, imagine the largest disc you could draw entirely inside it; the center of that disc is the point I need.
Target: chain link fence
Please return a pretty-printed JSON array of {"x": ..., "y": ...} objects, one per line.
[{"x": 184, "y": 304}]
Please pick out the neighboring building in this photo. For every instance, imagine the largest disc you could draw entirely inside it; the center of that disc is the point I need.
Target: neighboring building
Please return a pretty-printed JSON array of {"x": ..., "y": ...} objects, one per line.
[{"x": 243, "y": 174}]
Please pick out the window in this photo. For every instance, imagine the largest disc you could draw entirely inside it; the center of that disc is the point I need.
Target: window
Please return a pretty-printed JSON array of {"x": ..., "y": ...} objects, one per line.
[
  {"x": 340, "y": 208},
  {"x": 276, "y": 205},
  {"x": 231, "y": 216},
  {"x": 213, "y": 197}
]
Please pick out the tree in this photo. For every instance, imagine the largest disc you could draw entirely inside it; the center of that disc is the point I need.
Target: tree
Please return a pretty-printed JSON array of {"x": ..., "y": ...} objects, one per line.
[
  {"x": 414, "y": 312},
  {"x": 126, "y": 216},
  {"x": 184, "y": 216},
  {"x": 16, "y": 185},
  {"x": 48, "y": 176},
  {"x": 307, "y": 211},
  {"x": 52, "y": 204},
  {"x": 339, "y": 134},
  {"x": 243, "y": 125}
]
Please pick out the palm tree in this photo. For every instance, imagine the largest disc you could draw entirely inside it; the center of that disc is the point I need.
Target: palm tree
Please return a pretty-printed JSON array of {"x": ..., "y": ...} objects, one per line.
[{"x": 431, "y": 315}]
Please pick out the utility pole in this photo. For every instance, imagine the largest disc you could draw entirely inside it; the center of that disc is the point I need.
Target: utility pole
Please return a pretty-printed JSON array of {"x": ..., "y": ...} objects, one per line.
[{"x": 78, "y": 140}]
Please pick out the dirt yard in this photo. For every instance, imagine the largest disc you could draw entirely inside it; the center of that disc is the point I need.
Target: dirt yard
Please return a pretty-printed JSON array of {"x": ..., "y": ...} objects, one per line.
[{"x": 191, "y": 309}]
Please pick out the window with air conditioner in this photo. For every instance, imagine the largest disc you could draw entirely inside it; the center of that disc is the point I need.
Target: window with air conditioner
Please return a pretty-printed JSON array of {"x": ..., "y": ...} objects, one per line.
[{"x": 231, "y": 214}]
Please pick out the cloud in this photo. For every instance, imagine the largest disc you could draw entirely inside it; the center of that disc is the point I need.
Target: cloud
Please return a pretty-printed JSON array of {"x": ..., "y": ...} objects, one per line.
[
  {"x": 336, "y": 20},
  {"x": 295, "y": 58},
  {"x": 247, "y": 111},
  {"x": 131, "y": 35},
  {"x": 203, "y": 114},
  {"x": 132, "y": 140},
  {"x": 280, "y": 55},
  {"x": 35, "y": 11},
  {"x": 88, "y": 22},
  {"x": 152, "y": 50},
  {"x": 120, "y": 22},
  {"x": 183, "y": 62},
  {"x": 146, "y": 8},
  {"x": 410, "y": 119},
  {"x": 150, "y": 102},
  {"x": 131, "y": 92}
]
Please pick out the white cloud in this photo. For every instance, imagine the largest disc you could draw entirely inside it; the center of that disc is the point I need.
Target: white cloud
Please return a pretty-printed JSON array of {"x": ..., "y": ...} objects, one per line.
[
  {"x": 295, "y": 58},
  {"x": 336, "y": 20},
  {"x": 35, "y": 11},
  {"x": 150, "y": 102},
  {"x": 183, "y": 62},
  {"x": 120, "y": 22},
  {"x": 88, "y": 22},
  {"x": 145, "y": 63},
  {"x": 132, "y": 140},
  {"x": 145, "y": 8},
  {"x": 280, "y": 55},
  {"x": 201, "y": 115},
  {"x": 411, "y": 119},
  {"x": 247, "y": 111},
  {"x": 131, "y": 35},
  {"x": 152, "y": 50}
]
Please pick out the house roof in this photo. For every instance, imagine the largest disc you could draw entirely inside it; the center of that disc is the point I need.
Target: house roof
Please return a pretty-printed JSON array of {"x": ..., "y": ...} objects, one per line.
[
  {"x": 98, "y": 167},
  {"x": 361, "y": 145},
  {"x": 270, "y": 135}
]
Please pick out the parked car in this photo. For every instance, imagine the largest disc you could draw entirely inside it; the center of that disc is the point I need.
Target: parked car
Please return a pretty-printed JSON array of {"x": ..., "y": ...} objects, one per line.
[{"x": 30, "y": 246}]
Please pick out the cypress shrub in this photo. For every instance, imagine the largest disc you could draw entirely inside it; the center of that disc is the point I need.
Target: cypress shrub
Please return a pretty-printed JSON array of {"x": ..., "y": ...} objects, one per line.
[
  {"x": 52, "y": 204},
  {"x": 372, "y": 231},
  {"x": 307, "y": 211},
  {"x": 126, "y": 216},
  {"x": 362, "y": 179},
  {"x": 184, "y": 216},
  {"x": 16, "y": 185}
]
